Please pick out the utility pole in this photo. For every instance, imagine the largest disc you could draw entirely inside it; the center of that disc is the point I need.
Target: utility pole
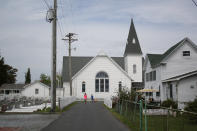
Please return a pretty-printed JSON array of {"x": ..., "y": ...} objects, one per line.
[
  {"x": 52, "y": 17},
  {"x": 70, "y": 39},
  {"x": 53, "y": 72}
]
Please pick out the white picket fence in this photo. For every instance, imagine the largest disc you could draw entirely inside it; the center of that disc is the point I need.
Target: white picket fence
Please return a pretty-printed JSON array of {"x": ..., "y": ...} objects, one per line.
[
  {"x": 108, "y": 102},
  {"x": 66, "y": 101}
]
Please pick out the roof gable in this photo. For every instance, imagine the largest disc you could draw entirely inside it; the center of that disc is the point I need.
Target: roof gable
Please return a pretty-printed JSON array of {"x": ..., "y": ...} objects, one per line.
[
  {"x": 77, "y": 63},
  {"x": 156, "y": 59},
  {"x": 36, "y": 82},
  {"x": 132, "y": 46},
  {"x": 113, "y": 62}
]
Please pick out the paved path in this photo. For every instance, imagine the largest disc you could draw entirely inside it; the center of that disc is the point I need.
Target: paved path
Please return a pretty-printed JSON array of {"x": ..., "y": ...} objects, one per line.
[{"x": 86, "y": 117}]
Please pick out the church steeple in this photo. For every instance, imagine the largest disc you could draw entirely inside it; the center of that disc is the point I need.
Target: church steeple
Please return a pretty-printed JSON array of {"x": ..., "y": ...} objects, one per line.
[{"x": 132, "y": 46}]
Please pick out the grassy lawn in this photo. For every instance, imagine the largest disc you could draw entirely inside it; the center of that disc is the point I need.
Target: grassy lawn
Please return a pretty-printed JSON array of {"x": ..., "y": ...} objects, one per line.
[{"x": 155, "y": 123}]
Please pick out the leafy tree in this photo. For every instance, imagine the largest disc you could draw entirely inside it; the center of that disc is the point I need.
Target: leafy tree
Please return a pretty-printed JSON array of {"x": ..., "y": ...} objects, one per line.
[
  {"x": 28, "y": 77},
  {"x": 7, "y": 73},
  {"x": 45, "y": 79}
]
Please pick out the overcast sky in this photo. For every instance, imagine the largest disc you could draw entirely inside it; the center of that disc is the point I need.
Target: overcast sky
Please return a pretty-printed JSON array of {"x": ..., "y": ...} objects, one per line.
[{"x": 25, "y": 36}]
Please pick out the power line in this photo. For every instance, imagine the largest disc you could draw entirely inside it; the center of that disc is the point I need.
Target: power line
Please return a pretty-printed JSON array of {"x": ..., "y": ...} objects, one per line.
[
  {"x": 60, "y": 28},
  {"x": 194, "y": 2},
  {"x": 46, "y": 4}
]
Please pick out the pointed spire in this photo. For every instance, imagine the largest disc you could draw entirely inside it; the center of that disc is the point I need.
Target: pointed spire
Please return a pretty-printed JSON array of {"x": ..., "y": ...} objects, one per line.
[{"x": 132, "y": 46}]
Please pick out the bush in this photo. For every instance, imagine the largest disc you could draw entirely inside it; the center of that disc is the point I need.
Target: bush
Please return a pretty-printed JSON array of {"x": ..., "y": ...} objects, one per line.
[
  {"x": 169, "y": 103},
  {"x": 192, "y": 107}
]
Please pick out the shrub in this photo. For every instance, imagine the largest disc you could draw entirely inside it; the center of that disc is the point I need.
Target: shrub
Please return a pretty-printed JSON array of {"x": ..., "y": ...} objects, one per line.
[
  {"x": 192, "y": 107},
  {"x": 169, "y": 103}
]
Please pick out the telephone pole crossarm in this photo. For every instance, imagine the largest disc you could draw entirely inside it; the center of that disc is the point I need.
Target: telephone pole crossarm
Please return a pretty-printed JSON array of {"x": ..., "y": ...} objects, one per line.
[{"x": 70, "y": 39}]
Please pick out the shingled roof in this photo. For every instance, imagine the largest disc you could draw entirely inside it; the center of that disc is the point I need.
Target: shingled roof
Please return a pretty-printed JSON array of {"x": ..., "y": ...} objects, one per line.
[
  {"x": 79, "y": 62},
  {"x": 132, "y": 46},
  {"x": 155, "y": 59},
  {"x": 12, "y": 86}
]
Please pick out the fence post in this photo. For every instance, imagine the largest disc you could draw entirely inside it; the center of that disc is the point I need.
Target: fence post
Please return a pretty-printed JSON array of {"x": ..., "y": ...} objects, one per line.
[
  {"x": 140, "y": 115},
  {"x": 145, "y": 116},
  {"x": 121, "y": 107},
  {"x": 126, "y": 107}
]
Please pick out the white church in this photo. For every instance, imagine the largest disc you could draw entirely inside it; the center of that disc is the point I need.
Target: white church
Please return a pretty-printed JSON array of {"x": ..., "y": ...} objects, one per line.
[{"x": 102, "y": 75}]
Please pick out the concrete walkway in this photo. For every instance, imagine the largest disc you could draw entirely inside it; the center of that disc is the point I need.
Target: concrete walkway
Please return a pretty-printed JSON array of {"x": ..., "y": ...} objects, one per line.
[{"x": 86, "y": 117}]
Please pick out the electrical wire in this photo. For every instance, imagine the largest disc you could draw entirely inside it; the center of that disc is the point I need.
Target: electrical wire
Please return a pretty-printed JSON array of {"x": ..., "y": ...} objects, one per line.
[{"x": 46, "y": 4}]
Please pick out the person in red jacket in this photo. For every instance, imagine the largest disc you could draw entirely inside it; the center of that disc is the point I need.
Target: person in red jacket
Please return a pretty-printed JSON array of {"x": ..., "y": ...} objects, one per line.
[{"x": 85, "y": 98}]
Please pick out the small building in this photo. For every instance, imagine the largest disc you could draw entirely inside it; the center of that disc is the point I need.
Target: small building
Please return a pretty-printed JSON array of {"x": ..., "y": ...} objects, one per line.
[
  {"x": 173, "y": 73},
  {"x": 36, "y": 90},
  {"x": 11, "y": 90}
]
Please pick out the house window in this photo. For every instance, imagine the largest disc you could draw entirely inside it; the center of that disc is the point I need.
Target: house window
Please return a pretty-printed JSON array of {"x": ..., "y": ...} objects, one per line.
[
  {"x": 120, "y": 86},
  {"x": 102, "y": 82},
  {"x": 186, "y": 53},
  {"x": 133, "y": 41},
  {"x": 36, "y": 91},
  {"x": 171, "y": 92},
  {"x": 151, "y": 76},
  {"x": 146, "y": 93},
  {"x": 83, "y": 87},
  {"x": 154, "y": 75},
  {"x": 158, "y": 93},
  {"x": 134, "y": 69}
]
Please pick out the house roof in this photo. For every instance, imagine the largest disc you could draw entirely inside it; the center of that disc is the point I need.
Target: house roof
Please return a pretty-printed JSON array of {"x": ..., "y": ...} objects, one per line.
[
  {"x": 12, "y": 86},
  {"x": 156, "y": 59},
  {"x": 132, "y": 48},
  {"x": 77, "y": 63},
  {"x": 26, "y": 86},
  {"x": 182, "y": 76}
]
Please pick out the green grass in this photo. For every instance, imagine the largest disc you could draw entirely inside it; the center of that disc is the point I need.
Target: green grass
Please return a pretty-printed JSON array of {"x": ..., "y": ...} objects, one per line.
[{"x": 155, "y": 123}]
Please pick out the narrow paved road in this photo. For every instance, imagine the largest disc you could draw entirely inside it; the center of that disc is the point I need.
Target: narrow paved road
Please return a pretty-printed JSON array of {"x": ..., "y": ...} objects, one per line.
[{"x": 86, "y": 117}]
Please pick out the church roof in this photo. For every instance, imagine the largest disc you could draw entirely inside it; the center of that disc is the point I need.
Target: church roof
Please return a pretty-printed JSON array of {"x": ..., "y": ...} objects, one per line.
[
  {"x": 78, "y": 62},
  {"x": 132, "y": 46}
]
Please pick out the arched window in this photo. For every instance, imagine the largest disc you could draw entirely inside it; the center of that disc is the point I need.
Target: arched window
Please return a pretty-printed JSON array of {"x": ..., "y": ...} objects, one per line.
[
  {"x": 102, "y": 82},
  {"x": 134, "y": 68},
  {"x": 120, "y": 86},
  {"x": 83, "y": 87}
]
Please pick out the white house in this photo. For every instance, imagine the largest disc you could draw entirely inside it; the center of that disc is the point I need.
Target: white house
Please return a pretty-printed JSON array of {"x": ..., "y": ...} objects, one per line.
[
  {"x": 173, "y": 74},
  {"x": 103, "y": 76},
  {"x": 36, "y": 90}
]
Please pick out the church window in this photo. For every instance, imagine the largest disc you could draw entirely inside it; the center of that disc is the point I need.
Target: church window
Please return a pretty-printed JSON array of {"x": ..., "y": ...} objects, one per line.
[
  {"x": 83, "y": 87},
  {"x": 133, "y": 41},
  {"x": 97, "y": 85},
  {"x": 120, "y": 86},
  {"x": 134, "y": 69},
  {"x": 102, "y": 82}
]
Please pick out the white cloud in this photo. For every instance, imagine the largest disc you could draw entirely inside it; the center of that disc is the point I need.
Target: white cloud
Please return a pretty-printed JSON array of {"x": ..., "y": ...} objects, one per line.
[{"x": 101, "y": 24}]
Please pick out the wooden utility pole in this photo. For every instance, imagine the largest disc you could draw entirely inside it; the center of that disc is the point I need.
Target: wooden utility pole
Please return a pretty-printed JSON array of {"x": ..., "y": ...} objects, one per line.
[
  {"x": 53, "y": 71},
  {"x": 70, "y": 39}
]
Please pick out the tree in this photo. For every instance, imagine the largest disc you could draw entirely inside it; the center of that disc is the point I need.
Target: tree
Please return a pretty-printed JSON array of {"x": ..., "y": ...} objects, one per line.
[
  {"x": 45, "y": 79},
  {"x": 28, "y": 77},
  {"x": 7, "y": 73}
]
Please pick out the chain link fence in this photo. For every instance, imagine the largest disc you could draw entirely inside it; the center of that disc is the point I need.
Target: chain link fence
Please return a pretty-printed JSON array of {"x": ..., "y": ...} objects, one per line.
[{"x": 147, "y": 117}]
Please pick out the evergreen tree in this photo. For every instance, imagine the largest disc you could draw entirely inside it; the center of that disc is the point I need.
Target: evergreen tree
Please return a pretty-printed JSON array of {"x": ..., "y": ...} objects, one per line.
[
  {"x": 28, "y": 77},
  {"x": 7, "y": 73}
]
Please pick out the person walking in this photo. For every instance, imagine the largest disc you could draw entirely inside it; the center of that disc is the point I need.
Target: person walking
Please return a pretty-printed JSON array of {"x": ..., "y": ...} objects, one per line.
[
  {"x": 85, "y": 98},
  {"x": 92, "y": 98}
]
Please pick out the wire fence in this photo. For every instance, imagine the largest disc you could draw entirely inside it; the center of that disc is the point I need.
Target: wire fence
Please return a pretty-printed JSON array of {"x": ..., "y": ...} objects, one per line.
[{"x": 145, "y": 117}]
